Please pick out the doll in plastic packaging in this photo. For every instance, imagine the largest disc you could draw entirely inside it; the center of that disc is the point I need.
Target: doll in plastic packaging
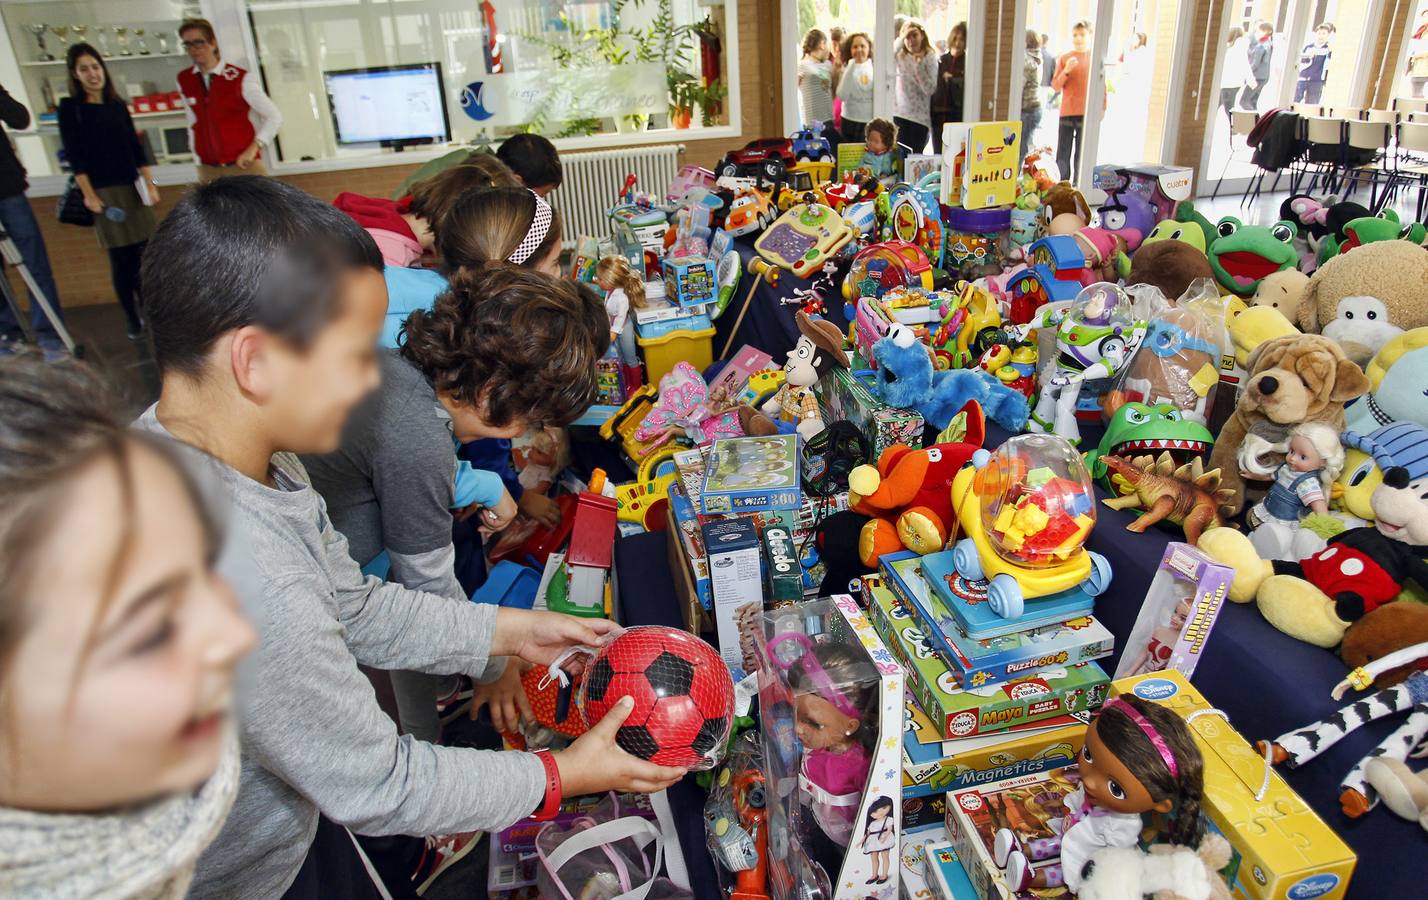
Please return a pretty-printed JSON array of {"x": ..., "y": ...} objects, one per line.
[
  {"x": 1313, "y": 459},
  {"x": 1158, "y": 650},
  {"x": 834, "y": 695},
  {"x": 1139, "y": 762}
]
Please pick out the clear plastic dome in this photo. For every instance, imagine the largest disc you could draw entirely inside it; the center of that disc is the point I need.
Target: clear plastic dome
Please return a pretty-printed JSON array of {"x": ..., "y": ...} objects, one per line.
[{"x": 1036, "y": 498}]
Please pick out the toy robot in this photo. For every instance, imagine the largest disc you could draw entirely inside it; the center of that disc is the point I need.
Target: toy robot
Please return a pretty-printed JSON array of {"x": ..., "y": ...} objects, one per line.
[{"x": 1096, "y": 334}]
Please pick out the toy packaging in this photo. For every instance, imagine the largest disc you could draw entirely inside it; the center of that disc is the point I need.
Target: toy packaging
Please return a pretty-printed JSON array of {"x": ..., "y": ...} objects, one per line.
[
  {"x": 947, "y": 877},
  {"x": 981, "y": 163},
  {"x": 833, "y": 812},
  {"x": 970, "y": 612},
  {"x": 1163, "y": 187},
  {"x": 513, "y": 858},
  {"x": 1282, "y": 849},
  {"x": 1180, "y": 608},
  {"x": 737, "y": 585},
  {"x": 1026, "y": 805},
  {"x": 782, "y": 573},
  {"x": 752, "y": 473},
  {"x": 843, "y": 395},
  {"x": 978, "y": 662},
  {"x": 913, "y": 878},
  {"x": 956, "y": 712},
  {"x": 690, "y": 281}
]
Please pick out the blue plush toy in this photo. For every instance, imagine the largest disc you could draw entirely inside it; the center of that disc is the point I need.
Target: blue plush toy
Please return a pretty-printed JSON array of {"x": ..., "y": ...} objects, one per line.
[{"x": 906, "y": 378}]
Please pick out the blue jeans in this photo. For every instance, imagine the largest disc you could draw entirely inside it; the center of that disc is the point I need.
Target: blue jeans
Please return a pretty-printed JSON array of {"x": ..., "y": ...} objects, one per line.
[{"x": 19, "y": 220}]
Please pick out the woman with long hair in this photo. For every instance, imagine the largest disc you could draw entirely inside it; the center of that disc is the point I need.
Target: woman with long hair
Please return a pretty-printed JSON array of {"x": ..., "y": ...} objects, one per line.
[
  {"x": 916, "y": 64},
  {"x": 951, "y": 79},
  {"x": 855, "y": 86},
  {"x": 108, "y": 160}
]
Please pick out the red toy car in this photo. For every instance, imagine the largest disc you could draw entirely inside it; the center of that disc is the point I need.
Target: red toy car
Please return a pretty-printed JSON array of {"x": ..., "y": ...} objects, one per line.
[{"x": 767, "y": 158}]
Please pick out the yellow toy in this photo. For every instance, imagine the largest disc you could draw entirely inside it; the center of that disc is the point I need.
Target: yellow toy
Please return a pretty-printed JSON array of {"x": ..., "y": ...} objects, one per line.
[
  {"x": 648, "y": 456},
  {"x": 1026, "y": 512},
  {"x": 1356, "y": 483},
  {"x": 761, "y": 386},
  {"x": 971, "y": 325},
  {"x": 643, "y": 502},
  {"x": 1253, "y": 327}
]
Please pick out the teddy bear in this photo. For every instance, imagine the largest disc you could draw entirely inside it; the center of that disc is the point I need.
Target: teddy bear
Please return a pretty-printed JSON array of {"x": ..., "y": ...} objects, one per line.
[
  {"x": 1063, "y": 197},
  {"x": 1397, "y": 375},
  {"x": 1164, "y": 872},
  {"x": 907, "y": 496},
  {"x": 1292, "y": 379},
  {"x": 1315, "y": 599},
  {"x": 1365, "y": 298},
  {"x": 1168, "y": 264},
  {"x": 906, "y": 378},
  {"x": 1282, "y": 290}
]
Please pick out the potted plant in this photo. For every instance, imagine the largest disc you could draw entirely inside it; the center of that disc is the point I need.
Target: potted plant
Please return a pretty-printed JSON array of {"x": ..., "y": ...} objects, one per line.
[
  {"x": 711, "y": 99},
  {"x": 684, "y": 93}
]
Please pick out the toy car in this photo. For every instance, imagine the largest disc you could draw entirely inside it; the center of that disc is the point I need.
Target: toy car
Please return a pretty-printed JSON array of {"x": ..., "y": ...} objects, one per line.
[
  {"x": 794, "y": 190},
  {"x": 768, "y": 158},
  {"x": 972, "y": 323},
  {"x": 809, "y": 143},
  {"x": 1027, "y": 511},
  {"x": 751, "y": 211}
]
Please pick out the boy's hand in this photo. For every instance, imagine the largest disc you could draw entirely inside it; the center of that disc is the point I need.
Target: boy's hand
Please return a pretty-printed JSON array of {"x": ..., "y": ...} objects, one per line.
[
  {"x": 541, "y": 508},
  {"x": 538, "y": 636},
  {"x": 595, "y": 763},
  {"x": 496, "y": 518},
  {"x": 507, "y": 698},
  {"x": 1071, "y": 63}
]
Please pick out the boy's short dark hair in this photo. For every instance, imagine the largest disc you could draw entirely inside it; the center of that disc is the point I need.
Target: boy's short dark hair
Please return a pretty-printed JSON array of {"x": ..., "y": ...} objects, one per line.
[
  {"x": 885, "y": 128},
  {"x": 523, "y": 342},
  {"x": 246, "y": 250},
  {"x": 534, "y": 159}
]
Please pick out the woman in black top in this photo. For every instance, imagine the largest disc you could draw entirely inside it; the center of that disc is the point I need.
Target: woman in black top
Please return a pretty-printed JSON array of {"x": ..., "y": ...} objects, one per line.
[
  {"x": 951, "y": 78},
  {"x": 108, "y": 162}
]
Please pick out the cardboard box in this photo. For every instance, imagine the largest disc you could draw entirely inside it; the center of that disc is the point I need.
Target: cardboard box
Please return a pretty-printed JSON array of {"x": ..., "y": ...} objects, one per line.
[
  {"x": 969, "y": 762},
  {"x": 912, "y": 880},
  {"x": 843, "y": 395},
  {"x": 922, "y": 814},
  {"x": 1180, "y": 608},
  {"x": 947, "y": 877},
  {"x": 696, "y": 617},
  {"x": 961, "y": 713},
  {"x": 737, "y": 585},
  {"x": 1283, "y": 850},
  {"x": 750, "y": 474},
  {"x": 972, "y": 821},
  {"x": 685, "y": 523},
  {"x": 783, "y": 574}
]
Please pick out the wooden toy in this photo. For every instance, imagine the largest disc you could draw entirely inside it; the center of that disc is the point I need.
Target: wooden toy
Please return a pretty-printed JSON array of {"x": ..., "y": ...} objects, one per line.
[{"x": 1053, "y": 273}]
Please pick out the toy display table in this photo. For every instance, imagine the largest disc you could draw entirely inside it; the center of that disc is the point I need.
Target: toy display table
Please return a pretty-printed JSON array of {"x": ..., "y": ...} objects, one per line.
[{"x": 768, "y": 324}]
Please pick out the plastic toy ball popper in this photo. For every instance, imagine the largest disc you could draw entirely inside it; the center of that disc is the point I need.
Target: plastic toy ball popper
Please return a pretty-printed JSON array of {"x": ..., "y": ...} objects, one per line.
[
  {"x": 1027, "y": 510},
  {"x": 799, "y": 241},
  {"x": 1096, "y": 334}
]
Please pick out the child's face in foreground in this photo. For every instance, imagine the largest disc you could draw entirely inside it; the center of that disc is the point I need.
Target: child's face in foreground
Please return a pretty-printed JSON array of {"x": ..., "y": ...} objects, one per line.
[
  {"x": 1109, "y": 783},
  {"x": 468, "y": 423},
  {"x": 820, "y": 725},
  {"x": 859, "y": 50},
  {"x": 138, "y": 712},
  {"x": 875, "y": 143}
]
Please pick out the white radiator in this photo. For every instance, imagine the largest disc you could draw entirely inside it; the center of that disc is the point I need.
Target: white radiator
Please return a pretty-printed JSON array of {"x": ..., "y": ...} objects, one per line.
[{"x": 592, "y": 183}]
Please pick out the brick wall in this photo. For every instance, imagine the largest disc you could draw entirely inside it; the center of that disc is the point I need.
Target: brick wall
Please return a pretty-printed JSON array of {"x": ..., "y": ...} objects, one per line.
[{"x": 82, "y": 268}]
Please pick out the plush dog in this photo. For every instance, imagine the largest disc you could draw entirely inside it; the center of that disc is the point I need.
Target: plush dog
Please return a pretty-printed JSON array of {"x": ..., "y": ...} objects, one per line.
[
  {"x": 906, "y": 378},
  {"x": 1366, "y": 298},
  {"x": 1292, "y": 379},
  {"x": 1397, "y": 376},
  {"x": 1165, "y": 872}
]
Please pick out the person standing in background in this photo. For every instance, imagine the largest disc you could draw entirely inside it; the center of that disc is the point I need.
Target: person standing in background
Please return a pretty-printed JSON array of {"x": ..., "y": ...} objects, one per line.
[
  {"x": 837, "y": 37},
  {"x": 855, "y": 87},
  {"x": 815, "y": 82},
  {"x": 230, "y": 119},
  {"x": 1073, "y": 75},
  {"x": 916, "y": 65},
  {"x": 1261, "y": 51},
  {"x": 109, "y": 166},
  {"x": 1314, "y": 66},
  {"x": 951, "y": 79},
  {"x": 1031, "y": 89},
  {"x": 1235, "y": 74},
  {"x": 18, "y": 219}
]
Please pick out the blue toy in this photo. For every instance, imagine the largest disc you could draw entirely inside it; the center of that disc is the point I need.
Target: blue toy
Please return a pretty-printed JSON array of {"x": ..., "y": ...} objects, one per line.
[
  {"x": 690, "y": 281},
  {"x": 1053, "y": 273},
  {"x": 906, "y": 378},
  {"x": 810, "y": 144}
]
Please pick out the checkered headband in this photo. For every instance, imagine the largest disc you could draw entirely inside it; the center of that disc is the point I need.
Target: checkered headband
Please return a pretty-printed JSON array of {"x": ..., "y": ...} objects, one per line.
[{"x": 535, "y": 235}]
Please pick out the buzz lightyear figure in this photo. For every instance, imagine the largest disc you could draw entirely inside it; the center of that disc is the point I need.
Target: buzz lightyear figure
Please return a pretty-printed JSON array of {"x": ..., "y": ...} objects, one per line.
[{"x": 1096, "y": 334}]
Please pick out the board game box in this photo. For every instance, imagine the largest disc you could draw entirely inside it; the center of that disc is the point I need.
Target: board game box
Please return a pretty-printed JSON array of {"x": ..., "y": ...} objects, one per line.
[
  {"x": 1027, "y": 805},
  {"x": 981, "y": 759},
  {"x": 749, "y": 474},
  {"x": 946, "y": 875},
  {"x": 979, "y": 662}
]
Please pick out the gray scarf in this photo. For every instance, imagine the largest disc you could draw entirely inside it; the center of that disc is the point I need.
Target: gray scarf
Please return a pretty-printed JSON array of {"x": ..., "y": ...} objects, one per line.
[{"x": 143, "y": 853}]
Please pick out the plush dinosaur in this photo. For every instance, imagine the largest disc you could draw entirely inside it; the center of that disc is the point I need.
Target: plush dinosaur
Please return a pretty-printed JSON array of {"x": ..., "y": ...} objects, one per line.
[
  {"x": 1140, "y": 427},
  {"x": 1187, "y": 495},
  {"x": 1242, "y": 255}
]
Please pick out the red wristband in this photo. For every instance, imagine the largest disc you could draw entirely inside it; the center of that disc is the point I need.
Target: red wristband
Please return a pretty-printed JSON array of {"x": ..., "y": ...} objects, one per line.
[{"x": 551, "y": 805}]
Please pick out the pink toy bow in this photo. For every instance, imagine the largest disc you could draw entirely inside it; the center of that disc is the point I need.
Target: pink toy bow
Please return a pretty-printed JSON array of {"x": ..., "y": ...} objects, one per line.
[{"x": 683, "y": 406}]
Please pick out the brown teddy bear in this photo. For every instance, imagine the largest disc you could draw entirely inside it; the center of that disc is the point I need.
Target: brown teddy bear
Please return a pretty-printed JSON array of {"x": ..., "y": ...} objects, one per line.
[
  {"x": 1365, "y": 298},
  {"x": 1170, "y": 266},
  {"x": 1293, "y": 379},
  {"x": 1282, "y": 290},
  {"x": 1381, "y": 631}
]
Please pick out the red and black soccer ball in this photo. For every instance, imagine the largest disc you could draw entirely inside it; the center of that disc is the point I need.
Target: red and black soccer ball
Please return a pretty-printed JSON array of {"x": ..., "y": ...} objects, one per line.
[{"x": 683, "y": 693}]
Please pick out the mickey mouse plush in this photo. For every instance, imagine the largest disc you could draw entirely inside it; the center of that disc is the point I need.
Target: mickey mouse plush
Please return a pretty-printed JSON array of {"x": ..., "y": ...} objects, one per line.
[{"x": 1315, "y": 599}]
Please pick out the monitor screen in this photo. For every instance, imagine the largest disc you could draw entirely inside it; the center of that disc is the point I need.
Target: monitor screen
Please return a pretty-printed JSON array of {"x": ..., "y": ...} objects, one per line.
[{"x": 389, "y": 104}]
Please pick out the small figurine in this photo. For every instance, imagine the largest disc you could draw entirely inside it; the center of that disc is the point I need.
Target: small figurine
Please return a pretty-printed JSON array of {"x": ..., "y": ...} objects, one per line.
[
  {"x": 833, "y": 701},
  {"x": 624, "y": 288},
  {"x": 795, "y": 407},
  {"x": 1139, "y": 758},
  {"x": 1313, "y": 459}
]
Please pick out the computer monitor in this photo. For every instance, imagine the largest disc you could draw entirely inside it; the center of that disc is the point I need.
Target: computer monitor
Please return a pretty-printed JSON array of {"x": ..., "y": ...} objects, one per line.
[{"x": 394, "y": 106}]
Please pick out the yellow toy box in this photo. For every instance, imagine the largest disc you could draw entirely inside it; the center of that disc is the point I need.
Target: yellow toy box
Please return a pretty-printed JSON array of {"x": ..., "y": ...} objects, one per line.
[{"x": 1283, "y": 850}]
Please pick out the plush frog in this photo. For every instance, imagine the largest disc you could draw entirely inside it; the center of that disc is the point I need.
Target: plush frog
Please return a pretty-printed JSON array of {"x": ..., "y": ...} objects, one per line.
[
  {"x": 1366, "y": 229},
  {"x": 1242, "y": 255},
  {"x": 1137, "y": 428},
  {"x": 1171, "y": 230}
]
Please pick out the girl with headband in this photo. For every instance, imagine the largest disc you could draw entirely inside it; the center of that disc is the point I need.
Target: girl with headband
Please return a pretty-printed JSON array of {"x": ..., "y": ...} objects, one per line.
[{"x": 1139, "y": 760}]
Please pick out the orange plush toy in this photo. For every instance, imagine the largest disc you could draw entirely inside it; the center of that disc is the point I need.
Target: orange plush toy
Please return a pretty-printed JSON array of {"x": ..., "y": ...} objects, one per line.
[{"x": 908, "y": 493}]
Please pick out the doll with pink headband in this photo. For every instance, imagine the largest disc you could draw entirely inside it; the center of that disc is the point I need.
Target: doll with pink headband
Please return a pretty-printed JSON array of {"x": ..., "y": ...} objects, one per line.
[
  {"x": 1139, "y": 766},
  {"x": 834, "y": 695}
]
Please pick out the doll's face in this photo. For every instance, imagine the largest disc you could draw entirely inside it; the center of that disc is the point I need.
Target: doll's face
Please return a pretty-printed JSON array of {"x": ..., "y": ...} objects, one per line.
[
  {"x": 820, "y": 724},
  {"x": 1302, "y": 457},
  {"x": 1181, "y": 612},
  {"x": 875, "y": 144},
  {"x": 800, "y": 370},
  {"x": 1109, "y": 783}
]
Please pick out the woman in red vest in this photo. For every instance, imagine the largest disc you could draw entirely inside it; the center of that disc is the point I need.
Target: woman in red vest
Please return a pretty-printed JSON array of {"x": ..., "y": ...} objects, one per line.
[{"x": 229, "y": 116}]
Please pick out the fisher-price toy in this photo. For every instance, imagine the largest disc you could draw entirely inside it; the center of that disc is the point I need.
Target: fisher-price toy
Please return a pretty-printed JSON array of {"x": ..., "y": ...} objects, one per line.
[
  {"x": 882, "y": 267},
  {"x": 810, "y": 144},
  {"x": 1052, "y": 275},
  {"x": 915, "y": 216},
  {"x": 751, "y": 211},
  {"x": 1027, "y": 510},
  {"x": 971, "y": 324}
]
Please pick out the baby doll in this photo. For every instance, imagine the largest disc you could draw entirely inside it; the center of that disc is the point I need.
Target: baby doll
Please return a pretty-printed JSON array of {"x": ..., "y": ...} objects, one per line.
[
  {"x": 1313, "y": 460},
  {"x": 878, "y": 147},
  {"x": 1139, "y": 758},
  {"x": 624, "y": 288},
  {"x": 1162, "y": 639},
  {"x": 833, "y": 699}
]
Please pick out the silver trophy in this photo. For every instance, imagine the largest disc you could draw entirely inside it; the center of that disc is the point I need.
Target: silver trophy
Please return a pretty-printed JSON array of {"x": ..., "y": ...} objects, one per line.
[
  {"x": 60, "y": 31},
  {"x": 143, "y": 47},
  {"x": 163, "y": 37},
  {"x": 43, "y": 53},
  {"x": 121, "y": 33},
  {"x": 101, "y": 37}
]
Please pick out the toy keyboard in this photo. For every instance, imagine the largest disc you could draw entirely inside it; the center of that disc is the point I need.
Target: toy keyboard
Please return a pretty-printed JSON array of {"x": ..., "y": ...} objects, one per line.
[{"x": 643, "y": 502}]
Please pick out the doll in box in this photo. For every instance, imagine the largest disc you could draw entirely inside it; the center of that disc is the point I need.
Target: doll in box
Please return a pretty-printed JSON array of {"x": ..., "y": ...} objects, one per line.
[
  {"x": 624, "y": 291},
  {"x": 1161, "y": 645},
  {"x": 1139, "y": 760}
]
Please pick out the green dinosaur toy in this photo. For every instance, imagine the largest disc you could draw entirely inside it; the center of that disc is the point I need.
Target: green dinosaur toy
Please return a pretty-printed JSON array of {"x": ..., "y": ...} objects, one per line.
[
  {"x": 1142, "y": 428},
  {"x": 1242, "y": 255},
  {"x": 1367, "y": 229}
]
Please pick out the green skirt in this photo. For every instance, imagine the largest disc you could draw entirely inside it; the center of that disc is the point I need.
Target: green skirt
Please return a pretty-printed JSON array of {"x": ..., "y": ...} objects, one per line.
[{"x": 138, "y": 225}]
